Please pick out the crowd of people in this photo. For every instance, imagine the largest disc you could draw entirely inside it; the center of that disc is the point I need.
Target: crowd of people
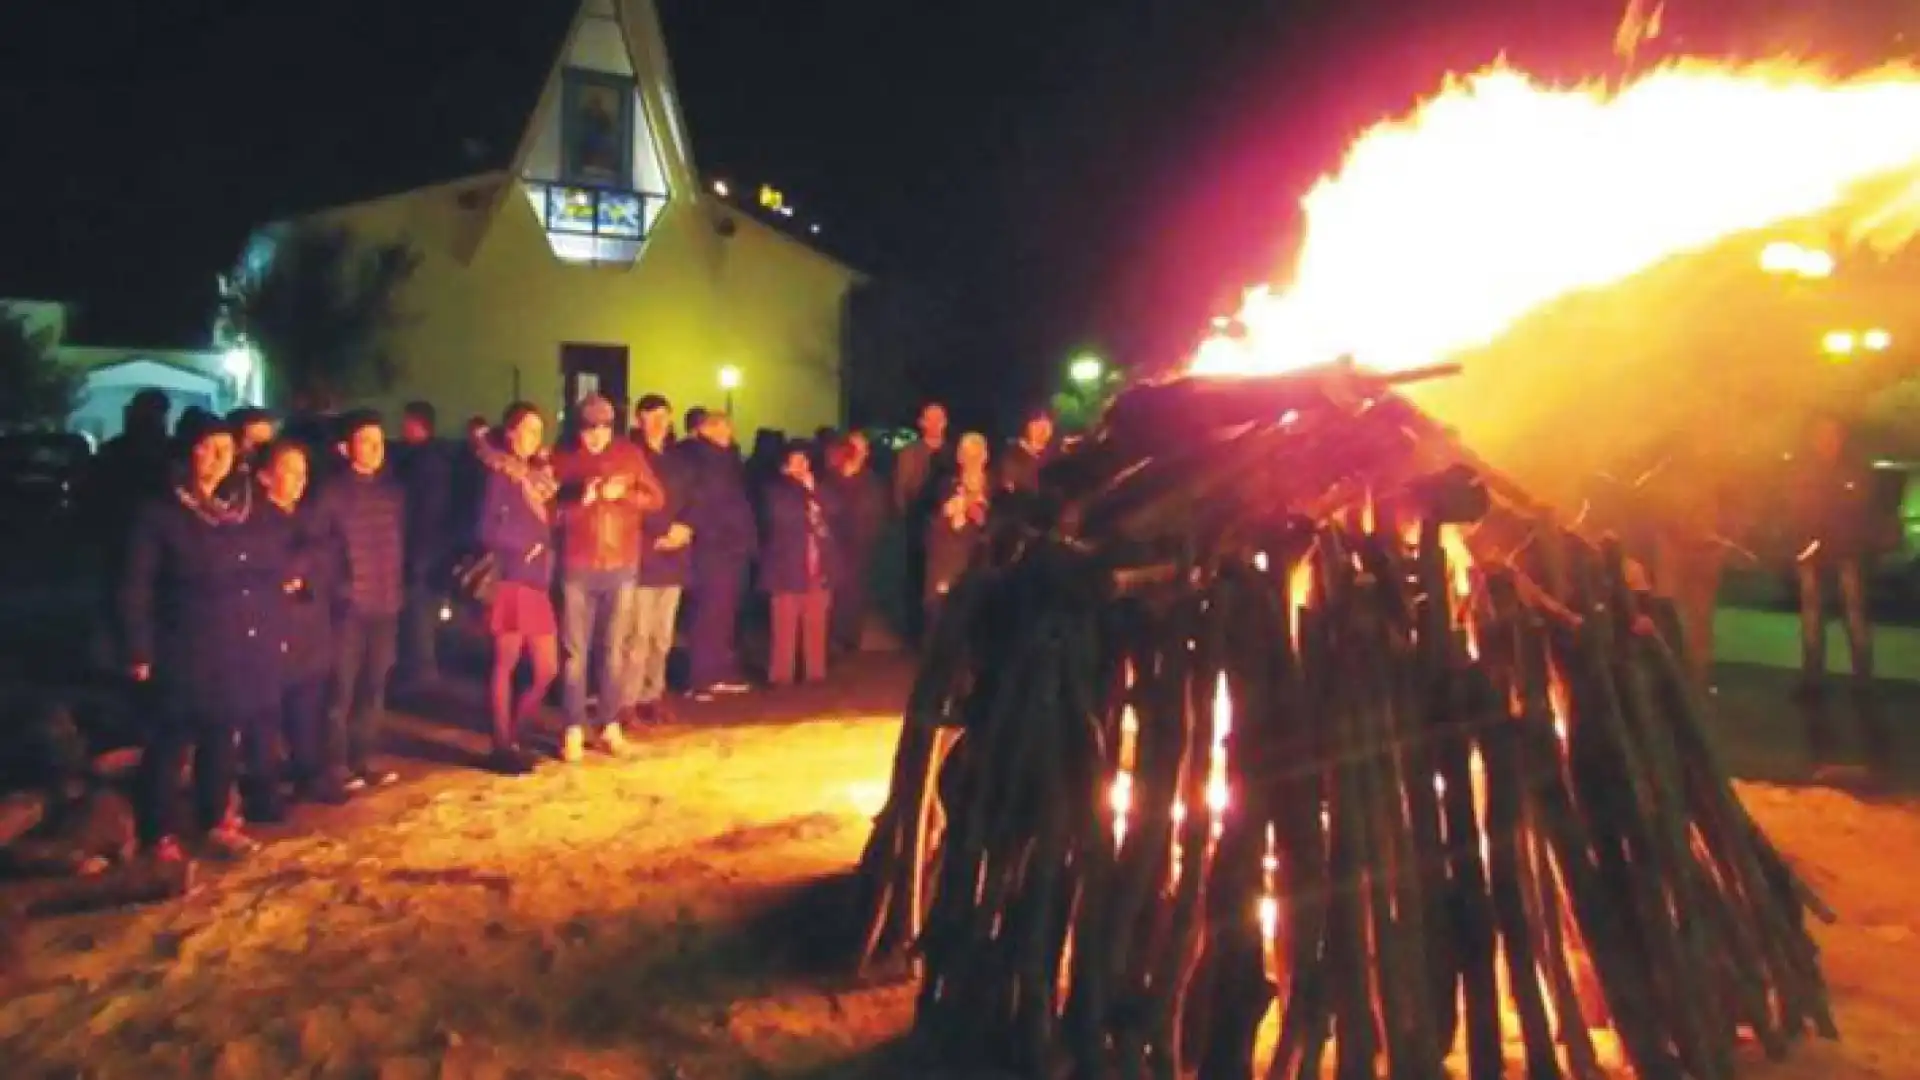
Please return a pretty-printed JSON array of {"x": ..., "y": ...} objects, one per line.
[{"x": 268, "y": 582}]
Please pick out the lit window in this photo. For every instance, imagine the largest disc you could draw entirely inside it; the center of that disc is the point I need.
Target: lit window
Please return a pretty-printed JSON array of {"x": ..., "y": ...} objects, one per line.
[
  {"x": 570, "y": 209},
  {"x": 619, "y": 214}
]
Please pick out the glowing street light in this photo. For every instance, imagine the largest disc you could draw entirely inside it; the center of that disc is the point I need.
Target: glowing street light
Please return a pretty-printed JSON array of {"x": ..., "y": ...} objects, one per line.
[
  {"x": 1086, "y": 370},
  {"x": 729, "y": 381},
  {"x": 238, "y": 362},
  {"x": 721, "y": 189},
  {"x": 1876, "y": 340},
  {"x": 241, "y": 362},
  {"x": 1839, "y": 343}
]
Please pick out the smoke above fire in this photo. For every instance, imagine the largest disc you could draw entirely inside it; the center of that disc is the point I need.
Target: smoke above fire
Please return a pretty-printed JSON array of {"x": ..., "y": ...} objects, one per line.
[{"x": 1591, "y": 253}]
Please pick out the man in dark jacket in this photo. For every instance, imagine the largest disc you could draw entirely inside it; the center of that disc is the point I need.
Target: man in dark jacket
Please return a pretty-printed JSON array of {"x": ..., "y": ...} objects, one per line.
[
  {"x": 606, "y": 488},
  {"x": 921, "y": 462},
  {"x": 719, "y": 513},
  {"x": 858, "y": 502},
  {"x": 664, "y": 564},
  {"x": 922, "y": 467},
  {"x": 424, "y": 468},
  {"x": 131, "y": 470},
  {"x": 362, "y": 515}
]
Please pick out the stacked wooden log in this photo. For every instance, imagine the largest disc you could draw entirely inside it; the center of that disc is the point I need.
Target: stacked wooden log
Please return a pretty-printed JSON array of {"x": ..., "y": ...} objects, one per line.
[{"x": 1282, "y": 703}]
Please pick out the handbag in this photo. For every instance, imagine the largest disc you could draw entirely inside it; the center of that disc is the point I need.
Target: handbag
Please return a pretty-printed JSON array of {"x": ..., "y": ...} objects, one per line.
[{"x": 474, "y": 577}]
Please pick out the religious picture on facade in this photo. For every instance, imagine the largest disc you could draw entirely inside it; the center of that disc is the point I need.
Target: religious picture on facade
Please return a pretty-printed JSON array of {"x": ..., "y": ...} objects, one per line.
[{"x": 597, "y": 129}]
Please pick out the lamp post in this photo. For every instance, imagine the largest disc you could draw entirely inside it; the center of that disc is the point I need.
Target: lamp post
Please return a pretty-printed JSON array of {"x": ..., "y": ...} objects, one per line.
[
  {"x": 729, "y": 381},
  {"x": 1086, "y": 370}
]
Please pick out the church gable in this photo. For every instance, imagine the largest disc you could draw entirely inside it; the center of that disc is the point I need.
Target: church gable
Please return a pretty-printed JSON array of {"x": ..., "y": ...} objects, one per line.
[{"x": 597, "y": 167}]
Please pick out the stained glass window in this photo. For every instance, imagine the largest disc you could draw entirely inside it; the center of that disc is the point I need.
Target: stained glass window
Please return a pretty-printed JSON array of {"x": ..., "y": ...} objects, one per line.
[
  {"x": 569, "y": 209},
  {"x": 619, "y": 214}
]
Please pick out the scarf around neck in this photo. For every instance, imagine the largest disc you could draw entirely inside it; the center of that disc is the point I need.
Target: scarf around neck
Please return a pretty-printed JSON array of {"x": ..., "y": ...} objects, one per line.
[
  {"x": 216, "y": 509},
  {"x": 537, "y": 482}
]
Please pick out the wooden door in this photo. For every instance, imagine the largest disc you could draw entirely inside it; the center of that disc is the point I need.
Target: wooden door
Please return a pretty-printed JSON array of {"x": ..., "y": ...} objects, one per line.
[{"x": 593, "y": 369}]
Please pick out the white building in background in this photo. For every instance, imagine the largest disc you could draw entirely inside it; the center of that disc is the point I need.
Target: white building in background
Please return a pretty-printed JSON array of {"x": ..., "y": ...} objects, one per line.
[{"x": 210, "y": 379}]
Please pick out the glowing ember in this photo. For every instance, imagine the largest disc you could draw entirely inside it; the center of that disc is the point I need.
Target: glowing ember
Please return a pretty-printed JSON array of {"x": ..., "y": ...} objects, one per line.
[
  {"x": 1557, "y": 699},
  {"x": 1217, "y": 760},
  {"x": 1120, "y": 796},
  {"x": 1501, "y": 194},
  {"x": 1459, "y": 560},
  {"x": 1299, "y": 593}
]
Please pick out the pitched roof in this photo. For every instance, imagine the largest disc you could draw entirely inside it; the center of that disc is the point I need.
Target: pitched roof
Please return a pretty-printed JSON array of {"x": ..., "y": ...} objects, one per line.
[{"x": 495, "y": 90}]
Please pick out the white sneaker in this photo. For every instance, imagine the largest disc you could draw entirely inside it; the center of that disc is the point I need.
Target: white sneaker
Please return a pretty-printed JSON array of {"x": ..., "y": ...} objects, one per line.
[
  {"x": 574, "y": 747},
  {"x": 614, "y": 740},
  {"x": 731, "y": 688}
]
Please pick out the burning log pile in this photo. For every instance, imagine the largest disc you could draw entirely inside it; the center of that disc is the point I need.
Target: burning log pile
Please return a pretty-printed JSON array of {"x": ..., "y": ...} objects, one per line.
[{"x": 1283, "y": 705}]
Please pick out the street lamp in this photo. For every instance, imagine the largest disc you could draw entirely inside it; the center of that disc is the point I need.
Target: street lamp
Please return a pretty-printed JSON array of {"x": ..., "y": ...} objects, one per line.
[
  {"x": 239, "y": 362},
  {"x": 1839, "y": 343},
  {"x": 729, "y": 381},
  {"x": 1876, "y": 340},
  {"x": 1086, "y": 370}
]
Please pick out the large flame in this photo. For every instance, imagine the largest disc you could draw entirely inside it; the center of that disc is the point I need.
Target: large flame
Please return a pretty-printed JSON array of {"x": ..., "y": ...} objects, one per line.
[{"x": 1500, "y": 194}]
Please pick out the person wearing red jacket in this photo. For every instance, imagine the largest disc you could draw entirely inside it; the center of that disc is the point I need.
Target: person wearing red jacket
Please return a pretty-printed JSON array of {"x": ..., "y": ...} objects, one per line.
[{"x": 606, "y": 489}]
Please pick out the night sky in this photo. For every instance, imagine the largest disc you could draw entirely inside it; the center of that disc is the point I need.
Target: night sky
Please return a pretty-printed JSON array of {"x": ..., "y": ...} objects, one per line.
[{"x": 1057, "y": 172}]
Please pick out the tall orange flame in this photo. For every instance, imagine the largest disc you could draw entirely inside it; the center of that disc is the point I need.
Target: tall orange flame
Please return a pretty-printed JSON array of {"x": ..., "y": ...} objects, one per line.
[{"x": 1501, "y": 194}]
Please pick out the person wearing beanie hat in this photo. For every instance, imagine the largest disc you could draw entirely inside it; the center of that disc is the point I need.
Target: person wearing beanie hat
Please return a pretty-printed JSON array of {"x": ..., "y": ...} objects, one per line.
[{"x": 606, "y": 489}]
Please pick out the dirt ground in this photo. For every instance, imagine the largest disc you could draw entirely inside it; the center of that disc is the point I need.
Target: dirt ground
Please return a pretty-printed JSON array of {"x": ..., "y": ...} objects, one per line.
[{"x": 661, "y": 918}]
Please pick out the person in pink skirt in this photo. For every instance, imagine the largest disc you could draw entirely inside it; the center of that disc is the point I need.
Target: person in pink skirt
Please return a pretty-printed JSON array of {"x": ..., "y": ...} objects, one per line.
[{"x": 516, "y": 529}]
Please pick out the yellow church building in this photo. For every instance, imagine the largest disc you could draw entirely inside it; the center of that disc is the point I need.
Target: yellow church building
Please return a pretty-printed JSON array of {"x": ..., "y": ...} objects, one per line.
[{"x": 596, "y": 260}]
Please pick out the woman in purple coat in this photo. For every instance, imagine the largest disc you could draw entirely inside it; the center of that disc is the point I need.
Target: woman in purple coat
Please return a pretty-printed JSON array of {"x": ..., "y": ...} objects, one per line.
[
  {"x": 203, "y": 604},
  {"x": 516, "y": 528}
]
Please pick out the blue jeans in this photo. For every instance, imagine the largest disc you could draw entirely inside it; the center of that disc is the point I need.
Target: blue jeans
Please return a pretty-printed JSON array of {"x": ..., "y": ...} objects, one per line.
[{"x": 595, "y": 607}]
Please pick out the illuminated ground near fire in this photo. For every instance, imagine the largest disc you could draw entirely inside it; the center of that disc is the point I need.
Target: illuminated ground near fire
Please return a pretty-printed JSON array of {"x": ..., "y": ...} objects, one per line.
[{"x": 652, "y": 920}]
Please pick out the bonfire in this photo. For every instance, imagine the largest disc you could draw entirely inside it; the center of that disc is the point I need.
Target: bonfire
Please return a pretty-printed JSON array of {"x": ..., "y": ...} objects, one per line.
[
  {"x": 1284, "y": 734},
  {"x": 1305, "y": 710}
]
